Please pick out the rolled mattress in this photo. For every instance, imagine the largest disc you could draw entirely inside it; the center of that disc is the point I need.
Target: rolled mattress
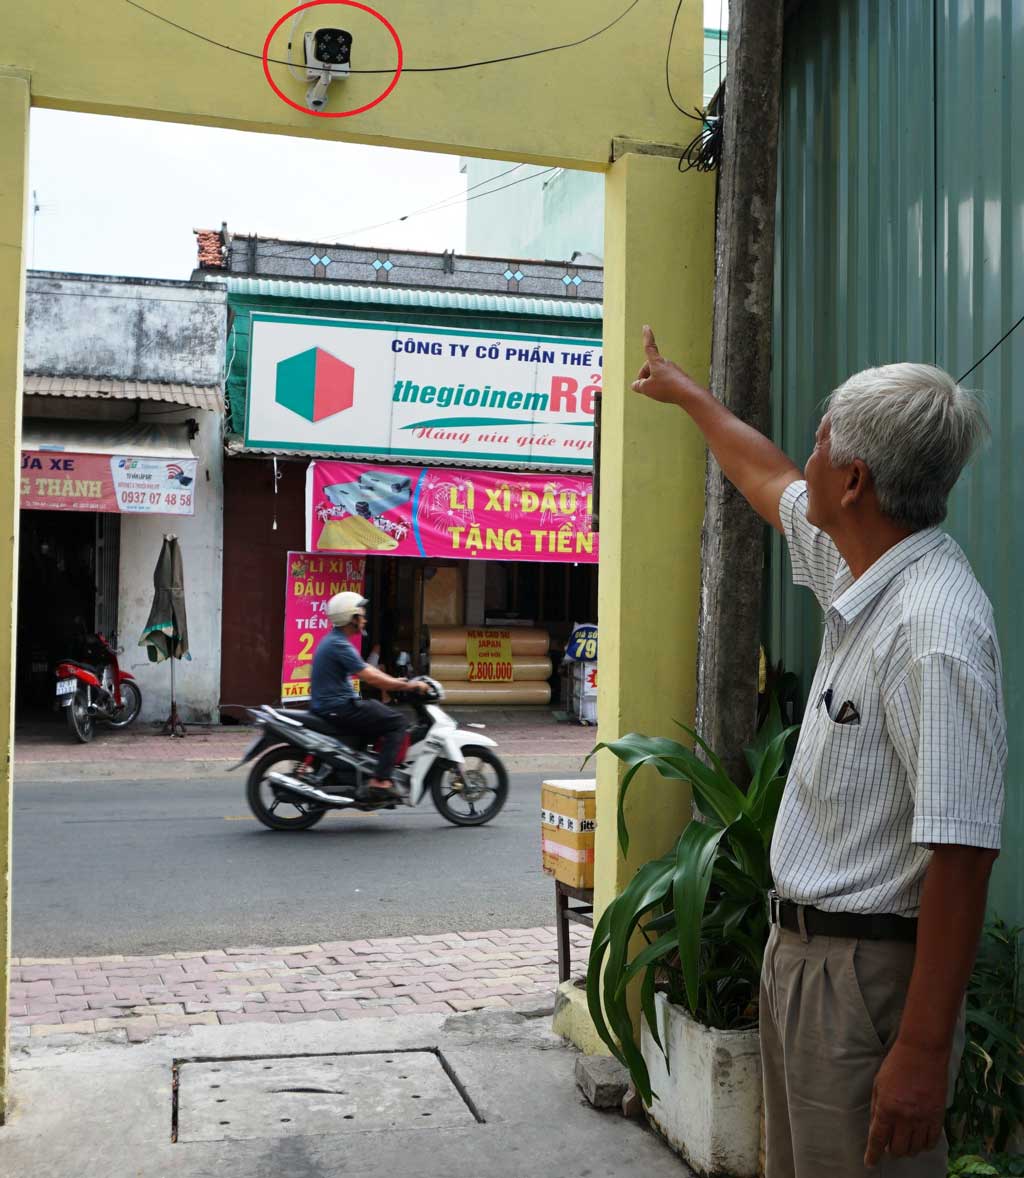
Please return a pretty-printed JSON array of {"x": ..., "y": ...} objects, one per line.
[
  {"x": 452, "y": 640},
  {"x": 501, "y": 694},
  {"x": 451, "y": 668}
]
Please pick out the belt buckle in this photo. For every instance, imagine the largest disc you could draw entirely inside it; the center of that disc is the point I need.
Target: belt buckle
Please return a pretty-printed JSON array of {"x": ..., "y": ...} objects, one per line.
[{"x": 774, "y": 906}]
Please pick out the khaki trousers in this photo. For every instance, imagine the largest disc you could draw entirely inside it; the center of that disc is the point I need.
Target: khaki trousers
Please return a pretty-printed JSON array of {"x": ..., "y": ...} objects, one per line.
[{"x": 830, "y": 1010}]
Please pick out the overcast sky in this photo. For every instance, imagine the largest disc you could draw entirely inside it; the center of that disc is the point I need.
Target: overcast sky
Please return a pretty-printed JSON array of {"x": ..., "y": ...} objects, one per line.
[{"x": 122, "y": 196}]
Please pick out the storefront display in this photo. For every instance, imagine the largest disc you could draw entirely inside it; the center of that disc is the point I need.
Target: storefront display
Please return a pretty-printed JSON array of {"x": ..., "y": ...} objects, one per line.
[
  {"x": 350, "y": 400},
  {"x": 492, "y": 665}
]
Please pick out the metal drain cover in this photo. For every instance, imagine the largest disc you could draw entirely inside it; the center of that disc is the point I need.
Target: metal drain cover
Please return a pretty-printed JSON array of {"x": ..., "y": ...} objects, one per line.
[{"x": 292, "y": 1096}]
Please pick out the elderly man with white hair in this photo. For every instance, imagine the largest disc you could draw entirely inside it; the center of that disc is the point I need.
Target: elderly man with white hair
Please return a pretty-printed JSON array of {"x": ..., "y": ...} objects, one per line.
[{"x": 890, "y": 821}]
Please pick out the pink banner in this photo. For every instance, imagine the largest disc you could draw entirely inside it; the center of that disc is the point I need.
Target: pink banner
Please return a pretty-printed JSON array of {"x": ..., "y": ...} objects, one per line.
[
  {"x": 312, "y": 580},
  {"x": 442, "y": 512},
  {"x": 54, "y": 480}
]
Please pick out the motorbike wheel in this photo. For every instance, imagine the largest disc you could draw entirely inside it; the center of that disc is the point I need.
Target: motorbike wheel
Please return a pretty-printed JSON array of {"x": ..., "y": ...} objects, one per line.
[
  {"x": 81, "y": 724},
  {"x": 484, "y": 779},
  {"x": 131, "y": 705},
  {"x": 271, "y": 805}
]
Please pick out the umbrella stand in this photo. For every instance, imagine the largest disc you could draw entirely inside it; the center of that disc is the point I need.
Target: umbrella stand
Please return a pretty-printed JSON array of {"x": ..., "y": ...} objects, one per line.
[{"x": 173, "y": 725}]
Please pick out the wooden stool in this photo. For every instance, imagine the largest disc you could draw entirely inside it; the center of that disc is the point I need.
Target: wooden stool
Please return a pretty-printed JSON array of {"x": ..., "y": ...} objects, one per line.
[{"x": 564, "y": 912}]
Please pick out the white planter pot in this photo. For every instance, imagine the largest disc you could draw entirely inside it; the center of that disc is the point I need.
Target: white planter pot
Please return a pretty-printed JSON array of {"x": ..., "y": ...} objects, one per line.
[{"x": 708, "y": 1103}]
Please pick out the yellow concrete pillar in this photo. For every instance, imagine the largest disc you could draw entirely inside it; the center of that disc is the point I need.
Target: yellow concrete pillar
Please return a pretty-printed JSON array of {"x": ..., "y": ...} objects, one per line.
[
  {"x": 14, "y": 117},
  {"x": 659, "y": 269},
  {"x": 652, "y": 492}
]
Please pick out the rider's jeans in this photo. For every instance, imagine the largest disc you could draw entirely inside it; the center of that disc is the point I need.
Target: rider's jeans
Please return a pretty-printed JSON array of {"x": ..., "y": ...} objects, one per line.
[{"x": 373, "y": 720}]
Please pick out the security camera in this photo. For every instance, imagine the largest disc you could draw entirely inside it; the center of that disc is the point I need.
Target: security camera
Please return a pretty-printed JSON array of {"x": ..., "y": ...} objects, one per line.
[{"x": 328, "y": 54}]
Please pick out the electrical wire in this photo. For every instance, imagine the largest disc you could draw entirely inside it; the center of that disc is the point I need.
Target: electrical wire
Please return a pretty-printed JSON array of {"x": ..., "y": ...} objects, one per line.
[
  {"x": 455, "y": 197},
  {"x": 431, "y": 69},
  {"x": 997, "y": 344},
  {"x": 696, "y": 113},
  {"x": 439, "y": 207},
  {"x": 704, "y": 151}
]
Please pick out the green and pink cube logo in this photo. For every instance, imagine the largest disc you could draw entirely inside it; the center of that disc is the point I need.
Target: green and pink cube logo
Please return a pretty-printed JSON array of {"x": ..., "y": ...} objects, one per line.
[{"x": 315, "y": 385}]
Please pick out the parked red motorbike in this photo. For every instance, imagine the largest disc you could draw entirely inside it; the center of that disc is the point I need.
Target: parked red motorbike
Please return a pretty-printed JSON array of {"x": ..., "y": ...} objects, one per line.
[{"x": 97, "y": 691}]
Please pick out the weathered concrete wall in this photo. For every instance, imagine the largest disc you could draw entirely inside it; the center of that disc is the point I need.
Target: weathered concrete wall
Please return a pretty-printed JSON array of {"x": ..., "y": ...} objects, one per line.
[
  {"x": 201, "y": 538},
  {"x": 124, "y": 328}
]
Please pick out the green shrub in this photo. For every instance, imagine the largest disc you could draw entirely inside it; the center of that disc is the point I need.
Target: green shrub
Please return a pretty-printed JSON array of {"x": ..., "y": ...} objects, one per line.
[{"x": 988, "y": 1103}]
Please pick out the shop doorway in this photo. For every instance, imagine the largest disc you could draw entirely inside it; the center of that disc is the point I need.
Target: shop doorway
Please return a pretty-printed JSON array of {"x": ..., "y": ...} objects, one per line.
[{"x": 67, "y": 591}]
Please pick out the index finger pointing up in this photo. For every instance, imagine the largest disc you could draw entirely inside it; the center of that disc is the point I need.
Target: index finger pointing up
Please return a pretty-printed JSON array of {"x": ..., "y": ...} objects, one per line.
[{"x": 650, "y": 347}]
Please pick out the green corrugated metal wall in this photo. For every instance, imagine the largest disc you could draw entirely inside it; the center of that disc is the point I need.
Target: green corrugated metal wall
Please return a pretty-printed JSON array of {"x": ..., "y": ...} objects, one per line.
[
  {"x": 901, "y": 237},
  {"x": 240, "y": 308}
]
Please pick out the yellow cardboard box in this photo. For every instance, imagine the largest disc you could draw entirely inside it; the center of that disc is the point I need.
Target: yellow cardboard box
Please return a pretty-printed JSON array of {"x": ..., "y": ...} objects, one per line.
[{"x": 568, "y": 821}]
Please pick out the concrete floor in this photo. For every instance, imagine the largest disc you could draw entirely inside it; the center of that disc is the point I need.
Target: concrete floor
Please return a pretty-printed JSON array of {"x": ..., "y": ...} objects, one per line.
[{"x": 105, "y": 1111}]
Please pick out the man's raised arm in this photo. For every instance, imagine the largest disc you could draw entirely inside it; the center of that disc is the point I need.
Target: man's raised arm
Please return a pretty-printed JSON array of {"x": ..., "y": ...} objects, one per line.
[{"x": 755, "y": 466}]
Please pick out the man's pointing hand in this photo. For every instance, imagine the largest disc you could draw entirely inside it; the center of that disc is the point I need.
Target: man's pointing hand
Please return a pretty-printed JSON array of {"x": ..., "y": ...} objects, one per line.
[{"x": 658, "y": 378}]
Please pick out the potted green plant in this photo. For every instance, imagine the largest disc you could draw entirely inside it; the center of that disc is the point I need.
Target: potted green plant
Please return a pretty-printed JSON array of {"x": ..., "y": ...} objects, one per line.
[{"x": 690, "y": 930}]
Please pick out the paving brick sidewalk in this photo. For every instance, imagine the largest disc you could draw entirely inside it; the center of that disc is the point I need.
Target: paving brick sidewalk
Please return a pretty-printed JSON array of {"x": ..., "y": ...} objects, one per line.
[
  {"x": 520, "y": 733},
  {"x": 144, "y": 996}
]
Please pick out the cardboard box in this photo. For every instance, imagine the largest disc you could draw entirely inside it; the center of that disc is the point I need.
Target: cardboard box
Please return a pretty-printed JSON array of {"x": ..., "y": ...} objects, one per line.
[{"x": 568, "y": 821}]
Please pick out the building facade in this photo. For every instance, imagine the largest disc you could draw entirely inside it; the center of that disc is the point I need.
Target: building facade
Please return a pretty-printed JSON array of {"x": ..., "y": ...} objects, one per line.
[
  {"x": 456, "y": 381},
  {"x": 123, "y": 381}
]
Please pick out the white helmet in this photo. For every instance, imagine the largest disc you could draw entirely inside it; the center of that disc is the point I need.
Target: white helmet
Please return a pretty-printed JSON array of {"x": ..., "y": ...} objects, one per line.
[{"x": 343, "y": 607}]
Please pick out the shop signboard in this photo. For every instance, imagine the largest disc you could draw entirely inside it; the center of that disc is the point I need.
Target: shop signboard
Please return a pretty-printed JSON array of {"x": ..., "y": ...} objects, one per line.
[
  {"x": 59, "y": 481},
  {"x": 402, "y": 391},
  {"x": 312, "y": 580},
  {"x": 581, "y": 655},
  {"x": 582, "y": 644},
  {"x": 449, "y": 513}
]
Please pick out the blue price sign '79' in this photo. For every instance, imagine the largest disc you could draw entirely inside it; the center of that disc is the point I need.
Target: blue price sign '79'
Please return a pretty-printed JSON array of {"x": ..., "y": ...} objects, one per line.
[{"x": 582, "y": 645}]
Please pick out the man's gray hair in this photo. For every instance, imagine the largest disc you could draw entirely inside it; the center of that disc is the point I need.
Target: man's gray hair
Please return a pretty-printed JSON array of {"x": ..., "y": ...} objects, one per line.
[{"x": 915, "y": 428}]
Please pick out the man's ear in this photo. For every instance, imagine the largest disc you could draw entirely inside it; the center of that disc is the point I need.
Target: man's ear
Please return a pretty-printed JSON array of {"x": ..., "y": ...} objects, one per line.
[{"x": 858, "y": 483}]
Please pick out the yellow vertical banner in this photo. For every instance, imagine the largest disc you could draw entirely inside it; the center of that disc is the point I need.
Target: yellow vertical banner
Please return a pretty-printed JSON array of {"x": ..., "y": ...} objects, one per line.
[{"x": 489, "y": 654}]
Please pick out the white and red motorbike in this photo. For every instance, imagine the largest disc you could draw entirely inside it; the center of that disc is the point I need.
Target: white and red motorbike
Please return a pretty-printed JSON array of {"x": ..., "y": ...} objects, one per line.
[{"x": 305, "y": 768}]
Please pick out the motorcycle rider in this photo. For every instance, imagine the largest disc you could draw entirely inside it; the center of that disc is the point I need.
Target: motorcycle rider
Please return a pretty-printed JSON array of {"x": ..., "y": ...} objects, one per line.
[{"x": 334, "y": 698}]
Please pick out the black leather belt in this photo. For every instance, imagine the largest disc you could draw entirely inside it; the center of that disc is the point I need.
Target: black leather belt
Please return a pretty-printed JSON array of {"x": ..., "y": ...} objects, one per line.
[{"x": 859, "y": 925}]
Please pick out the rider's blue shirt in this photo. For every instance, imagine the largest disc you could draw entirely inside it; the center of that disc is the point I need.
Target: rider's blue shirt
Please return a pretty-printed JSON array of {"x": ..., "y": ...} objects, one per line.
[{"x": 335, "y": 662}]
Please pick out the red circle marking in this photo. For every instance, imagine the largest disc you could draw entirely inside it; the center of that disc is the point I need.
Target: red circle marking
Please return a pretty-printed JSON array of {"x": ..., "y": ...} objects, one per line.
[{"x": 323, "y": 114}]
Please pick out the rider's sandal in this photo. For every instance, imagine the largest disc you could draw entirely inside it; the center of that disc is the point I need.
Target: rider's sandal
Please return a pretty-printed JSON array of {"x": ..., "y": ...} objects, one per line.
[{"x": 383, "y": 795}]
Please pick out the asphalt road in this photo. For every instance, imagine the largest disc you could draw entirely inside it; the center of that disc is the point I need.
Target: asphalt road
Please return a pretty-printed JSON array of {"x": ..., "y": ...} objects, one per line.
[{"x": 143, "y": 867}]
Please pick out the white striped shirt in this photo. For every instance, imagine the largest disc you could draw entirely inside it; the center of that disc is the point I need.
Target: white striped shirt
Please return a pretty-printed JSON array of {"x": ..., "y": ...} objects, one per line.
[{"x": 911, "y": 645}]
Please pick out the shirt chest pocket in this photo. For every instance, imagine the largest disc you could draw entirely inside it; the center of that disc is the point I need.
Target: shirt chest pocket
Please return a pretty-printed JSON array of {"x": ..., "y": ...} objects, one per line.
[
  {"x": 844, "y": 752},
  {"x": 839, "y": 748}
]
